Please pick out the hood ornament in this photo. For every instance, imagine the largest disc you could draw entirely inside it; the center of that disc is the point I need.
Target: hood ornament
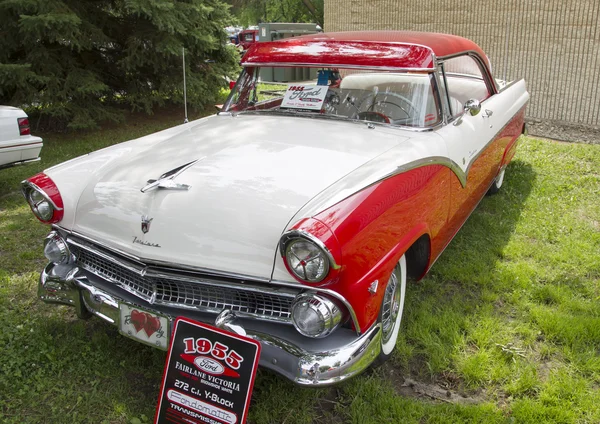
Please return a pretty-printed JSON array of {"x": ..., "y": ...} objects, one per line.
[
  {"x": 165, "y": 181},
  {"x": 146, "y": 220}
]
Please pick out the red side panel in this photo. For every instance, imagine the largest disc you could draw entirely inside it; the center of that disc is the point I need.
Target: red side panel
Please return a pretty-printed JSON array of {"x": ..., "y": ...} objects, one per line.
[
  {"x": 511, "y": 134},
  {"x": 376, "y": 226},
  {"x": 479, "y": 178}
]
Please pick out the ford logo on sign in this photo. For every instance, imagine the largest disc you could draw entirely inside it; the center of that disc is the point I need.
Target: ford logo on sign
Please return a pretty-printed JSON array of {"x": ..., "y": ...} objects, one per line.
[{"x": 209, "y": 365}]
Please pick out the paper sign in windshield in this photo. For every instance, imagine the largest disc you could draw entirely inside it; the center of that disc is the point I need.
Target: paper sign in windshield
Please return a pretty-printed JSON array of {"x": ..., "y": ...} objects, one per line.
[{"x": 303, "y": 96}]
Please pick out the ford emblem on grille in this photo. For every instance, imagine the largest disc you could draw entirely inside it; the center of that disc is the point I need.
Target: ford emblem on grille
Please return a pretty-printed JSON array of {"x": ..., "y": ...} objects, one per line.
[{"x": 146, "y": 220}]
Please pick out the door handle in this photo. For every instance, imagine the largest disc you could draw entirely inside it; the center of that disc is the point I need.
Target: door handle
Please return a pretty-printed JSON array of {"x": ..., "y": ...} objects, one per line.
[{"x": 487, "y": 113}]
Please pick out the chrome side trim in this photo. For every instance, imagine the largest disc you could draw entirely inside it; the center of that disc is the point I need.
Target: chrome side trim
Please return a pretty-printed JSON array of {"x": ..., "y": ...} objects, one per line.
[{"x": 434, "y": 160}]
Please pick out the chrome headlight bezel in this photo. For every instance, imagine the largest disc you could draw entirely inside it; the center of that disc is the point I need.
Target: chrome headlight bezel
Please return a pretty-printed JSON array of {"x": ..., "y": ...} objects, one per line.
[
  {"x": 42, "y": 196},
  {"x": 328, "y": 311},
  {"x": 57, "y": 240},
  {"x": 289, "y": 239}
]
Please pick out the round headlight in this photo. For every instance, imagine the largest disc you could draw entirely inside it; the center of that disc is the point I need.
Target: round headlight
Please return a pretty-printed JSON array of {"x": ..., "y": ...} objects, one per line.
[
  {"x": 43, "y": 197},
  {"x": 40, "y": 206},
  {"x": 56, "y": 249},
  {"x": 315, "y": 316},
  {"x": 306, "y": 260}
]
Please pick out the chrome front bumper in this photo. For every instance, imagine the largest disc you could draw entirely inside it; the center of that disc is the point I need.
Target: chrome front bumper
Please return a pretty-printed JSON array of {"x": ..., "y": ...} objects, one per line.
[{"x": 310, "y": 362}]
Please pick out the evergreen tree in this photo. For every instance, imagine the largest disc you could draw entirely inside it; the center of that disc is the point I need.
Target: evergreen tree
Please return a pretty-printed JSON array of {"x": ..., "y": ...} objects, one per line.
[
  {"x": 252, "y": 12},
  {"x": 77, "y": 61}
]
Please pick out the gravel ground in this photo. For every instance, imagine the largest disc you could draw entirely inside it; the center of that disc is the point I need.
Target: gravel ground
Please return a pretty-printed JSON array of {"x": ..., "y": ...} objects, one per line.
[{"x": 564, "y": 131}]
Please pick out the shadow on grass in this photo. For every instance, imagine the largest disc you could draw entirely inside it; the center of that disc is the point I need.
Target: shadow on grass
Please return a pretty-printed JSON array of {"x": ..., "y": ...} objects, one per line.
[{"x": 462, "y": 286}]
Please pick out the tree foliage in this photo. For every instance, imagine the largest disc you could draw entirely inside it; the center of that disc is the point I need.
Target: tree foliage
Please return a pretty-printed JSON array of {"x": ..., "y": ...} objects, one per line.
[
  {"x": 79, "y": 62},
  {"x": 253, "y": 12}
]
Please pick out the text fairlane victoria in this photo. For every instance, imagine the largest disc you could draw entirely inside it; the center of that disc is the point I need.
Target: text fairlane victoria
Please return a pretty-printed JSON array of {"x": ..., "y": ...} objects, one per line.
[{"x": 209, "y": 375}]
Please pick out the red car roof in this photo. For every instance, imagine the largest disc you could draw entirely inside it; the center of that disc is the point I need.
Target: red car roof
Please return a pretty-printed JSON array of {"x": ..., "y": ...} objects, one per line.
[{"x": 379, "y": 49}]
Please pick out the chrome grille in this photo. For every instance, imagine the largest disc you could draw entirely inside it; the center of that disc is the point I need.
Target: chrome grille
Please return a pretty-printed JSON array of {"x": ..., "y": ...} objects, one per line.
[
  {"x": 201, "y": 293},
  {"x": 113, "y": 272}
]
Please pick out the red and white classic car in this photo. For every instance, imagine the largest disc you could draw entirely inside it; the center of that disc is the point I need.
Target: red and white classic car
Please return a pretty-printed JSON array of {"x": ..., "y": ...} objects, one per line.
[{"x": 297, "y": 213}]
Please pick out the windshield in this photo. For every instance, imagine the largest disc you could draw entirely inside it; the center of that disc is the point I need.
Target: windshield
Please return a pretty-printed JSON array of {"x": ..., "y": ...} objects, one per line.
[{"x": 394, "y": 98}]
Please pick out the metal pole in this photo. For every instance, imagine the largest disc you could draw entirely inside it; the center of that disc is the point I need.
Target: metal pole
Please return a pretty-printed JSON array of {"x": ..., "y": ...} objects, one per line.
[{"x": 185, "y": 120}]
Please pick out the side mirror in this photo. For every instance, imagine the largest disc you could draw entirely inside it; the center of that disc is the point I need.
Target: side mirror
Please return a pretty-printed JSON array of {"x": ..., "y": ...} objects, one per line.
[
  {"x": 232, "y": 84},
  {"x": 472, "y": 106}
]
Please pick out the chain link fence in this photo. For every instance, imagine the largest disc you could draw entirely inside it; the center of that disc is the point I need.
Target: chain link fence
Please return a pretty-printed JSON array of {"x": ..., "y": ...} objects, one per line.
[{"x": 553, "y": 44}]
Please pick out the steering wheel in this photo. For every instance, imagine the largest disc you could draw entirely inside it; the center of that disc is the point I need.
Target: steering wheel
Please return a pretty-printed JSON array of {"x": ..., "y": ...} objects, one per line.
[
  {"x": 373, "y": 117},
  {"x": 409, "y": 110}
]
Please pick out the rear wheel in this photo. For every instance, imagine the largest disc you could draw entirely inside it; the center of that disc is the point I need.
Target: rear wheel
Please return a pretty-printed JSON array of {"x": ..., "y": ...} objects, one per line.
[
  {"x": 495, "y": 187},
  {"x": 390, "y": 313}
]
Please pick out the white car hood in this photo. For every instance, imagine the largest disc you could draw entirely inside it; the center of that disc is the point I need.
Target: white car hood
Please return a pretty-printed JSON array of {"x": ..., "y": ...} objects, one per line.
[{"x": 252, "y": 176}]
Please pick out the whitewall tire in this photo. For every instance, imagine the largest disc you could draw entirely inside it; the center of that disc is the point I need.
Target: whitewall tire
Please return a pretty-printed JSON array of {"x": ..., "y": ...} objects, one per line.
[
  {"x": 392, "y": 306},
  {"x": 495, "y": 187}
]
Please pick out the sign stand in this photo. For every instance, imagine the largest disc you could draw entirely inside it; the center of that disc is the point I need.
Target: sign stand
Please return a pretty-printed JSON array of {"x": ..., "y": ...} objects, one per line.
[{"x": 208, "y": 377}]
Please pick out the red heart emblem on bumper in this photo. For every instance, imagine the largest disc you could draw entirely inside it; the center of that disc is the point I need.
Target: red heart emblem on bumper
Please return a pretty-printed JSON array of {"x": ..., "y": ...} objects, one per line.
[
  {"x": 138, "y": 319},
  {"x": 152, "y": 325}
]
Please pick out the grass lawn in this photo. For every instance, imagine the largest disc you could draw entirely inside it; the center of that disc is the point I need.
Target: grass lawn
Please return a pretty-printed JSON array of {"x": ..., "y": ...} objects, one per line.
[{"x": 505, "y": 328}]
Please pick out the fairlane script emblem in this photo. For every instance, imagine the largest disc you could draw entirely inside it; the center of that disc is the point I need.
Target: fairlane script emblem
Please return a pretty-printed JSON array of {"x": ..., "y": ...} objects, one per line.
[
  {"x": 146, "y": 223},
  {"x": 144, "y": 242}
]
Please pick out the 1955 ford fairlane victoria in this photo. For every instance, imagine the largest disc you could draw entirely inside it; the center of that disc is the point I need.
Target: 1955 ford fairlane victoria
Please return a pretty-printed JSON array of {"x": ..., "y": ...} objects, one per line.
[{"x": 340, "y": 165}]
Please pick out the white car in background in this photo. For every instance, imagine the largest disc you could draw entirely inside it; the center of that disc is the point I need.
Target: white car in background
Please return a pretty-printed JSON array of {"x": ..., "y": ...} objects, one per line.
[{"x": 17, "y": 145}]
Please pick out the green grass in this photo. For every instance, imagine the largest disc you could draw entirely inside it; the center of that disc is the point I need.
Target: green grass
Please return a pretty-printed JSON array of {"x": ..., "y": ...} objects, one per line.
[{"x": 507, "y": 321}]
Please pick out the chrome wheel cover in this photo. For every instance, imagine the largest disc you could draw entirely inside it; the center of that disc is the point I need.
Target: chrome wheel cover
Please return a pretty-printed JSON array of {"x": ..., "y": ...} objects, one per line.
[{"x": 390, "y": 308}]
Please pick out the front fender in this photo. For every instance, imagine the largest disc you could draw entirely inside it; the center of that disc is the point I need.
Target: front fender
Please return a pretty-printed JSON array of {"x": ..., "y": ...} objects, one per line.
[{"x": 376, "y": 226}]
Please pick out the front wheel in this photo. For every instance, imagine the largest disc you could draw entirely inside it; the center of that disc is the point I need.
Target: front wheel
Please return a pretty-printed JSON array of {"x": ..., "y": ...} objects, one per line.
[{"x": 390, "y": 313}]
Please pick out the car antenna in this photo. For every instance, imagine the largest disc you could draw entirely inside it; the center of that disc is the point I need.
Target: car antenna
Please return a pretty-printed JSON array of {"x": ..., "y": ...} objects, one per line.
[{"x": 185, "y": 118}]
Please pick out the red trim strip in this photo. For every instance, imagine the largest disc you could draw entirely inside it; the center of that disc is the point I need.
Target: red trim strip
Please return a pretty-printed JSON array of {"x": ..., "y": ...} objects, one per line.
[{"x": 21, "y": 145}]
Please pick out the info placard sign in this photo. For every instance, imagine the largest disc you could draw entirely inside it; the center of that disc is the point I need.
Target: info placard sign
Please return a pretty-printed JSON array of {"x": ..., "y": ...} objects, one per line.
[
  {"x": 208, "y": 377},
  {"x": 304, "y": 96}
]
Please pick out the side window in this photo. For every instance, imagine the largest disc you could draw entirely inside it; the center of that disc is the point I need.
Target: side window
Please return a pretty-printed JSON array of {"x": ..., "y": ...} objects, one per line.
[{"x": 464, "y": 81}]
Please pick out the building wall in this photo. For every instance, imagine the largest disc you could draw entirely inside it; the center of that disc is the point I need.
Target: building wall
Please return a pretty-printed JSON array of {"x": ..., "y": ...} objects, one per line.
[{"x": 553, "y": 44}]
